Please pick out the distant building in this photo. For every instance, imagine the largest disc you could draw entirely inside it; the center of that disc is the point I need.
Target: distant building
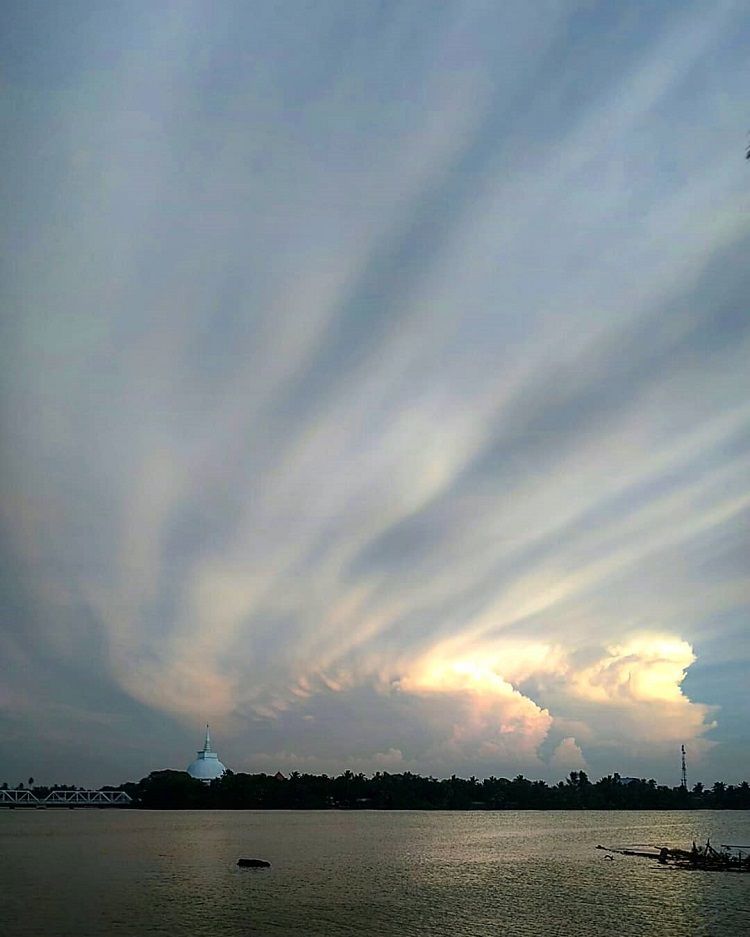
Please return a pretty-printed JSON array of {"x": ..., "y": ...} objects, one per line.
[{"x": 206, "y": 766}]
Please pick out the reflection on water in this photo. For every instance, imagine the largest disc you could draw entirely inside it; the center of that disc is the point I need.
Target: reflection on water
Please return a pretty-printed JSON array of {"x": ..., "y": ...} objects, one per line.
[{"x": 88, "y": 873}]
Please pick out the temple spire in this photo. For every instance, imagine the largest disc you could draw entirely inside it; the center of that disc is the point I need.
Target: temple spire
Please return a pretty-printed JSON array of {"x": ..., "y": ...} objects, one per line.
[{"x": 206, "y": 766}]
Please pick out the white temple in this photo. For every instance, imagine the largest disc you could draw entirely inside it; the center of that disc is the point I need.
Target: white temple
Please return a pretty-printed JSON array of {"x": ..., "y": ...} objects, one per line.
[{"x": 206, "y": 766}]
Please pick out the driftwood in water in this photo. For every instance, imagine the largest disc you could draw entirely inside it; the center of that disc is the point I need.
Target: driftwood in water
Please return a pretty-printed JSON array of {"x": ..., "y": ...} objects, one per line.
[
  {"x": 631, "y": 852},
  {"x": 703, "y": 858}
]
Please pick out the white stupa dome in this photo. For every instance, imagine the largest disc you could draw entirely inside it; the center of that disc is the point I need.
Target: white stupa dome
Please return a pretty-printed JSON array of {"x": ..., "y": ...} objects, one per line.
[{"x": 206, "y": 766}]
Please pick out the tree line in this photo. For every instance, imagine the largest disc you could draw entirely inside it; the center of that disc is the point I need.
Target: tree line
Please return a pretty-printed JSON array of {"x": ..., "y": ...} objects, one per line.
[{"x": 383, "y": 791}]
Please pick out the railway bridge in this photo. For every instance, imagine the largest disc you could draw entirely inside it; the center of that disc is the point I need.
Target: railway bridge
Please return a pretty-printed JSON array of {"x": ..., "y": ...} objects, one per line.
[{"x": 71, "y": 799}]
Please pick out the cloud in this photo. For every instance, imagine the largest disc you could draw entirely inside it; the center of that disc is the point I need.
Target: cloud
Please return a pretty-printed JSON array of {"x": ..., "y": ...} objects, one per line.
[
  {"x": 646, "y": 669},
  {"x": 391, "y": 761},
  {"x": 637, "y": 688},
  {"x": 568, "y": 756},
  {"x": 488, "y": 718},
  {"x": 375, "y": 383}
]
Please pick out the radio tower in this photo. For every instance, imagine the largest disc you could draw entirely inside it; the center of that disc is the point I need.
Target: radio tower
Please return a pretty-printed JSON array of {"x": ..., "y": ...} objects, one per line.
[{"x": 683, "y": 783}]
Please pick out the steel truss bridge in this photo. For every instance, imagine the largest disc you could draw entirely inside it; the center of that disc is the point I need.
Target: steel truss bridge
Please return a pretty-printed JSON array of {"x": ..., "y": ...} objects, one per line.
[{"x": 65, "y": 799}]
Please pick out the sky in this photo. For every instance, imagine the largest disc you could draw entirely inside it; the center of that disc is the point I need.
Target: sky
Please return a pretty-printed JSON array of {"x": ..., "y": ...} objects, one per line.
[{"x": 374, "y": 386}]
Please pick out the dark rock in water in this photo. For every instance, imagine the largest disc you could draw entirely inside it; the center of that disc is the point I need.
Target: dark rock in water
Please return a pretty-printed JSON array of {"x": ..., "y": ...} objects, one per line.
[{"x": 253, "y": 864}]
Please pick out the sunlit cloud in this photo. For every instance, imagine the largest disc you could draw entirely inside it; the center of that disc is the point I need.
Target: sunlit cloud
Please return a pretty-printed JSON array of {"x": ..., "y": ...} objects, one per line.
[
  {"x": 568, "y": 756},
  {"x": 379, "y": 399}
]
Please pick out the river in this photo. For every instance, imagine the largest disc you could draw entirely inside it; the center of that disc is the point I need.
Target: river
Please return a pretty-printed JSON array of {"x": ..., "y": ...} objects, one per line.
[{"x": 91, "y": 873}]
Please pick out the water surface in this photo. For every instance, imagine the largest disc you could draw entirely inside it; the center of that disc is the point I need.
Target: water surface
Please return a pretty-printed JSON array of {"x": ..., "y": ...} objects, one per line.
[{"x": 89, "y": 873}]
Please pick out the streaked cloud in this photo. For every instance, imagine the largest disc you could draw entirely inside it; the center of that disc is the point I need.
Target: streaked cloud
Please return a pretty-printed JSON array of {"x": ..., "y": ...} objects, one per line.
[{"x": 374, "y": 385}]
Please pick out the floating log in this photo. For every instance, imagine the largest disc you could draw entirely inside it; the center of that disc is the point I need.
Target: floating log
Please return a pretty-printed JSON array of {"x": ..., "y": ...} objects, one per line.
[
  {"x": 253, "y": 864},
  {"x": 631, "y": 852}
]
